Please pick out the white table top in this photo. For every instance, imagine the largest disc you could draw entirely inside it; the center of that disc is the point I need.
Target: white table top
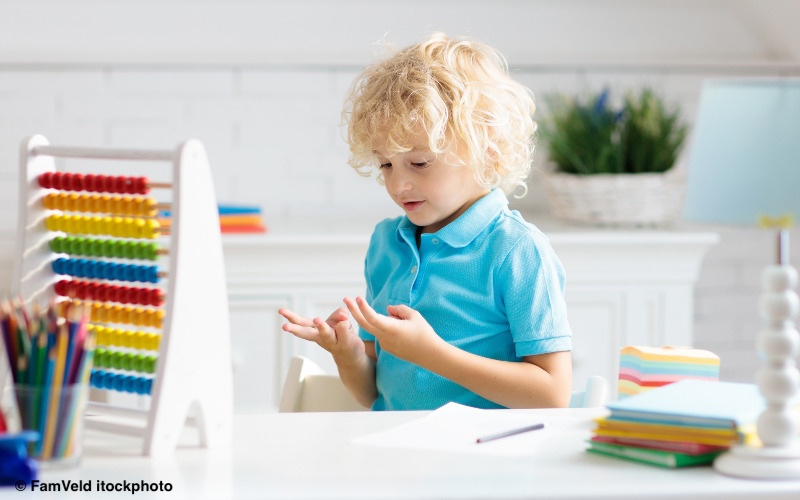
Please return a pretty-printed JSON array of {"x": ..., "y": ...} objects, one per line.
[{"x": 310, "y": 455}]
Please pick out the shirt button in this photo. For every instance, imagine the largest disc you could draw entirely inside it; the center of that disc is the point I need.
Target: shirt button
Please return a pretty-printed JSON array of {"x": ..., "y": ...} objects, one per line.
[
  {"x": 435, "y": 241},
  {"x": 413, "y": 269}
]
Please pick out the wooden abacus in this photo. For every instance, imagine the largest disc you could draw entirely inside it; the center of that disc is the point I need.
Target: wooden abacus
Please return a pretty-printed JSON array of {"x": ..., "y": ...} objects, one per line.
[{"x": 86, "y": 237}]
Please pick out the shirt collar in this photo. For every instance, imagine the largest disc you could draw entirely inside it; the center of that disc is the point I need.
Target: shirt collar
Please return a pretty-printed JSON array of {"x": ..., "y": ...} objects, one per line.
[{"x": 471, "y": 223}]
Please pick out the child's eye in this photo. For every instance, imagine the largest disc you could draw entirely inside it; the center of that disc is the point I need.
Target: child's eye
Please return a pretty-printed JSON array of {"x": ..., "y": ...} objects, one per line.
[
  {"x": 420, "y": 165},
  {"x": 386, "y": 165}
]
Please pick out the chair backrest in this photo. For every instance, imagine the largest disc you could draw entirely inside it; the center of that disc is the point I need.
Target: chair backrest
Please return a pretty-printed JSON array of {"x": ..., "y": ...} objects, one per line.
[
  {"x": 593, "y": 396},
  {"x": 308, "y": 388}
]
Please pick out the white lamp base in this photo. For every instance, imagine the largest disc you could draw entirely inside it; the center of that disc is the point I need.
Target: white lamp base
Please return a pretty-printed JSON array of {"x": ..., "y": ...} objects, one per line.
[{"x": 760, "y": 463}]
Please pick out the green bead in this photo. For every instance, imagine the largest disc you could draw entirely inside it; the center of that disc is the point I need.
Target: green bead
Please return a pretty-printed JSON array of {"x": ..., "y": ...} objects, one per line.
[
  {"x": 100, "y": 357},
  {"x": 55, "y": 245},
  {"x": 151, "y": 251}
]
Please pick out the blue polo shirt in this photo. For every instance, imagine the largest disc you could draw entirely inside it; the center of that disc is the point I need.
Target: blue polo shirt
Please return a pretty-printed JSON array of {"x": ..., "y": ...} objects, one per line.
[{"x": 488, "y": 283}]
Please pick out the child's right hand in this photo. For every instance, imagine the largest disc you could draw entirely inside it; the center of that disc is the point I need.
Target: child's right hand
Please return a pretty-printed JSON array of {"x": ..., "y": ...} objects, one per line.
[{"x": 335, "y": 335}]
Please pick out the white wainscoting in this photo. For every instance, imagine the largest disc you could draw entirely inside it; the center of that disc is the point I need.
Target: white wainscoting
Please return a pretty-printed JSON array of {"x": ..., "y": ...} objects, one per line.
[{"x": 623, "y": 288}]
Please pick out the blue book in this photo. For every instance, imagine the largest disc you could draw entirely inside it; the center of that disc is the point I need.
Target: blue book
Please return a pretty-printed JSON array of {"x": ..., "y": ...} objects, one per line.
[
  {"x": 227, "y": 210},
  {"x": 693, "y": 402}
]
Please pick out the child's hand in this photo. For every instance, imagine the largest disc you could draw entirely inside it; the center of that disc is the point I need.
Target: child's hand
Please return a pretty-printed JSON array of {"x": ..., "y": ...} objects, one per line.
[
  {"x": 404, "y": 333},
  {"x": 335, "y": 334}
]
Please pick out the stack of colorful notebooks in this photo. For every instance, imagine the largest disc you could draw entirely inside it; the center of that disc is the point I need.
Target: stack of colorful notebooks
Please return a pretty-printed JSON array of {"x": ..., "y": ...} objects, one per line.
[
  {"x": 232, "y": 219},
  {"x": 644, "y": 368},
  {"x": 685, "y": 423},
  {"x": 240, "y": 219}
]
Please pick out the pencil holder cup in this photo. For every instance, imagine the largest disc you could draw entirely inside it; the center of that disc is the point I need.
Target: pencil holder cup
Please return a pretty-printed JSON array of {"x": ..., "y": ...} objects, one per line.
[{"x": 56, "y": 413}]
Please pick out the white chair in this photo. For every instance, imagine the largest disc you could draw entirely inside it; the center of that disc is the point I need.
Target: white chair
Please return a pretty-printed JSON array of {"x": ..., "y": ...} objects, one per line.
[
  {"x": 308, "y": 388},
  {"x": 594, "y": 395}
]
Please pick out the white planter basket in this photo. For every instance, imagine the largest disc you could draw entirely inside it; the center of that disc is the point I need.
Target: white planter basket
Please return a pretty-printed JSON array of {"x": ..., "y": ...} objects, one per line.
[{"x": 616, "y": 199}]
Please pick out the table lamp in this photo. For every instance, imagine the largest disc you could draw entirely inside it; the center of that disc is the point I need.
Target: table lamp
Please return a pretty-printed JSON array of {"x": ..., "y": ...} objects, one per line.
[{"x": 744, "y": 168}]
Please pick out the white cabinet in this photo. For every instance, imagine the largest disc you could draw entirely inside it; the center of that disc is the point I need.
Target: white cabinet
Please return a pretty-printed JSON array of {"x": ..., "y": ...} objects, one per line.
[{"x": 622, "y": 288}]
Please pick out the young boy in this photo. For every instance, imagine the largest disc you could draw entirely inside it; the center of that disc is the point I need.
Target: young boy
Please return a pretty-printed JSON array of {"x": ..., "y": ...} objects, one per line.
[{"x": 464, "y": 298}]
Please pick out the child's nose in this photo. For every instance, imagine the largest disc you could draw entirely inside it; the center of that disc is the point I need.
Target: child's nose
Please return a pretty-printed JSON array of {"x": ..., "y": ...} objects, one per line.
[{"x": 398, "y": 181}]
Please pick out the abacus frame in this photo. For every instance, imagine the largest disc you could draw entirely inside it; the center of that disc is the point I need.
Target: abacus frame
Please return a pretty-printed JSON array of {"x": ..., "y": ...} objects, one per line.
[{"x": 194, "y": 369}]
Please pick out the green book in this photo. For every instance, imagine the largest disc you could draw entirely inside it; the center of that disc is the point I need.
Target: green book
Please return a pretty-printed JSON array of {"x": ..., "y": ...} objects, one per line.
[{"x": 670, "y": 459}]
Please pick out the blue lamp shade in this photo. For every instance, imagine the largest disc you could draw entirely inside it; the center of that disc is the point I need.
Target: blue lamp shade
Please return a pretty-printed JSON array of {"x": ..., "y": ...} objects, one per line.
[{"x": 745, "y": 154}]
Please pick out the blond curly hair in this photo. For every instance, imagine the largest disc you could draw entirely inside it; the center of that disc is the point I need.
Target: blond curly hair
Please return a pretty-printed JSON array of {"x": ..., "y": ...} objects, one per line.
[{"x": 460, "y": 93}]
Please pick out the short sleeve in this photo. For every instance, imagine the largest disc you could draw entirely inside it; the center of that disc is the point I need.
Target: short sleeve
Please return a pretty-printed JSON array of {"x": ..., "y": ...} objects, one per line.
[{"x": 532, "y": 283}]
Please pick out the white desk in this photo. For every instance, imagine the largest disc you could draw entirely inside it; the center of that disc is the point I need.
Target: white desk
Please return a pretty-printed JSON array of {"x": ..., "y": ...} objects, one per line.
[{"x": 310, "y": 456}]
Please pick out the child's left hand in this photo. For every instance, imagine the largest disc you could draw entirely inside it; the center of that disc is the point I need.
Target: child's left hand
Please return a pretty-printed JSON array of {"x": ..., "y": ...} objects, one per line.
[{"x": 404, "y": 333}]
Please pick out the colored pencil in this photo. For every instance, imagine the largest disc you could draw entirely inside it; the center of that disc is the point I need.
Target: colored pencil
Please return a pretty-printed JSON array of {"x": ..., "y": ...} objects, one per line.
[{"x": 55, "y": 391}]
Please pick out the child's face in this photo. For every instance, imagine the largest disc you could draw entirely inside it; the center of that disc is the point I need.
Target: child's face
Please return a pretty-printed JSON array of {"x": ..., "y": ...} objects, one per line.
[{"x": 431, "y": 189}]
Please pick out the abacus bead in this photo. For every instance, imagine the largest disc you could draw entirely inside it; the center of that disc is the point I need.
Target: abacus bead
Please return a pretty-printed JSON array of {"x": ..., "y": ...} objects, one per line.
[
  {"x": 89, "y": 182},
  {"x": 158, "y": 321},
  {"x": 152, "y": 341},
  {"x": 152, "y": 274},
  {"x": 46, "y": 180},
  {"x": 55, "y": 181},
  {"x": 70, "y": 244},
  {"x": 140, "y": 185},
  {"x": 94, "y": 379},
  {"x": 66, "y": 181},
  {"x": 48, "y": 202},
  {"x": 150, "y": 251},
  {"x": 56, "y": 245},
  {"x": 77, "y": 182},
  {"x": 58, "y": 265},
  {"x": 130, "y": 185},
  {"x": 119, "y": 184},
  {"x": 148, "y": 386},
  {"x": 80, "y": 289},
  {"x": 101, "y": 183}
]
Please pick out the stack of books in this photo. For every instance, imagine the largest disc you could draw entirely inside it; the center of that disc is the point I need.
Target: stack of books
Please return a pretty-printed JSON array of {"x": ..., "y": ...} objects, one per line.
[
  {"x": 644, "y": 368},
  {"x": 240, "y": 219},
  {"x": 688, "y": 422},
  {"x": 232, "y": 219}
]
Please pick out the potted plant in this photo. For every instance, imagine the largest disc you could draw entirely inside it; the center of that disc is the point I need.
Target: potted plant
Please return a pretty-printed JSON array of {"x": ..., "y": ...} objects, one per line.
[{"x": 613, "y": 166}]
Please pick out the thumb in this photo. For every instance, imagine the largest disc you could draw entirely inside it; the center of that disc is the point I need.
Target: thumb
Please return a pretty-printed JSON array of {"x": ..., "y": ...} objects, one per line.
[{"x": 400, "y": 312}]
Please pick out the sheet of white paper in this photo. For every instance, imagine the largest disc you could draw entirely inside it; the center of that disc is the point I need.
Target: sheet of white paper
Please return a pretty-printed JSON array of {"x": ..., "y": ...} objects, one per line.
[{"x": 455, "y": 427}]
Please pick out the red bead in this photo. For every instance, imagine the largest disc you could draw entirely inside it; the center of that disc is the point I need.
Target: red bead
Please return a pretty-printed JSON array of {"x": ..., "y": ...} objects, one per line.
[
  {"x": 57, "y": 180},
  {"x": 113, "y": 293},
  {"x": 89, "y": 182},
  {"x": 120, "y": 184},
  {"x": 66, "y": 181},
  {"x": 101, "y": 293},
  {"x": 46, "y": 180},
  {"x": 130, "y": 185},
  {"x": 141, "y": 185},
  {"x": 80, "y": 290},
  {"x": 156, "y": 298},
  {"x": 62, "y": 287},
  {"x": 124, "y": 295},
  {"x": 77, "y": 182}
]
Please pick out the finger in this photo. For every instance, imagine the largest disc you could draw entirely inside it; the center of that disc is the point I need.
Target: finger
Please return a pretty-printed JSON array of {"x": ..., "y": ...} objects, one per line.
[
  {"x": 368, "y": 313},
  {"x": 326, "y": 333},
  {"x": 355, "y": 311},
  {"x": 303, "y": 332},
  {"x": 337, "y": 316},
  {"x": 400, "y": 312},
  {"x": 292, "y": 317}
]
